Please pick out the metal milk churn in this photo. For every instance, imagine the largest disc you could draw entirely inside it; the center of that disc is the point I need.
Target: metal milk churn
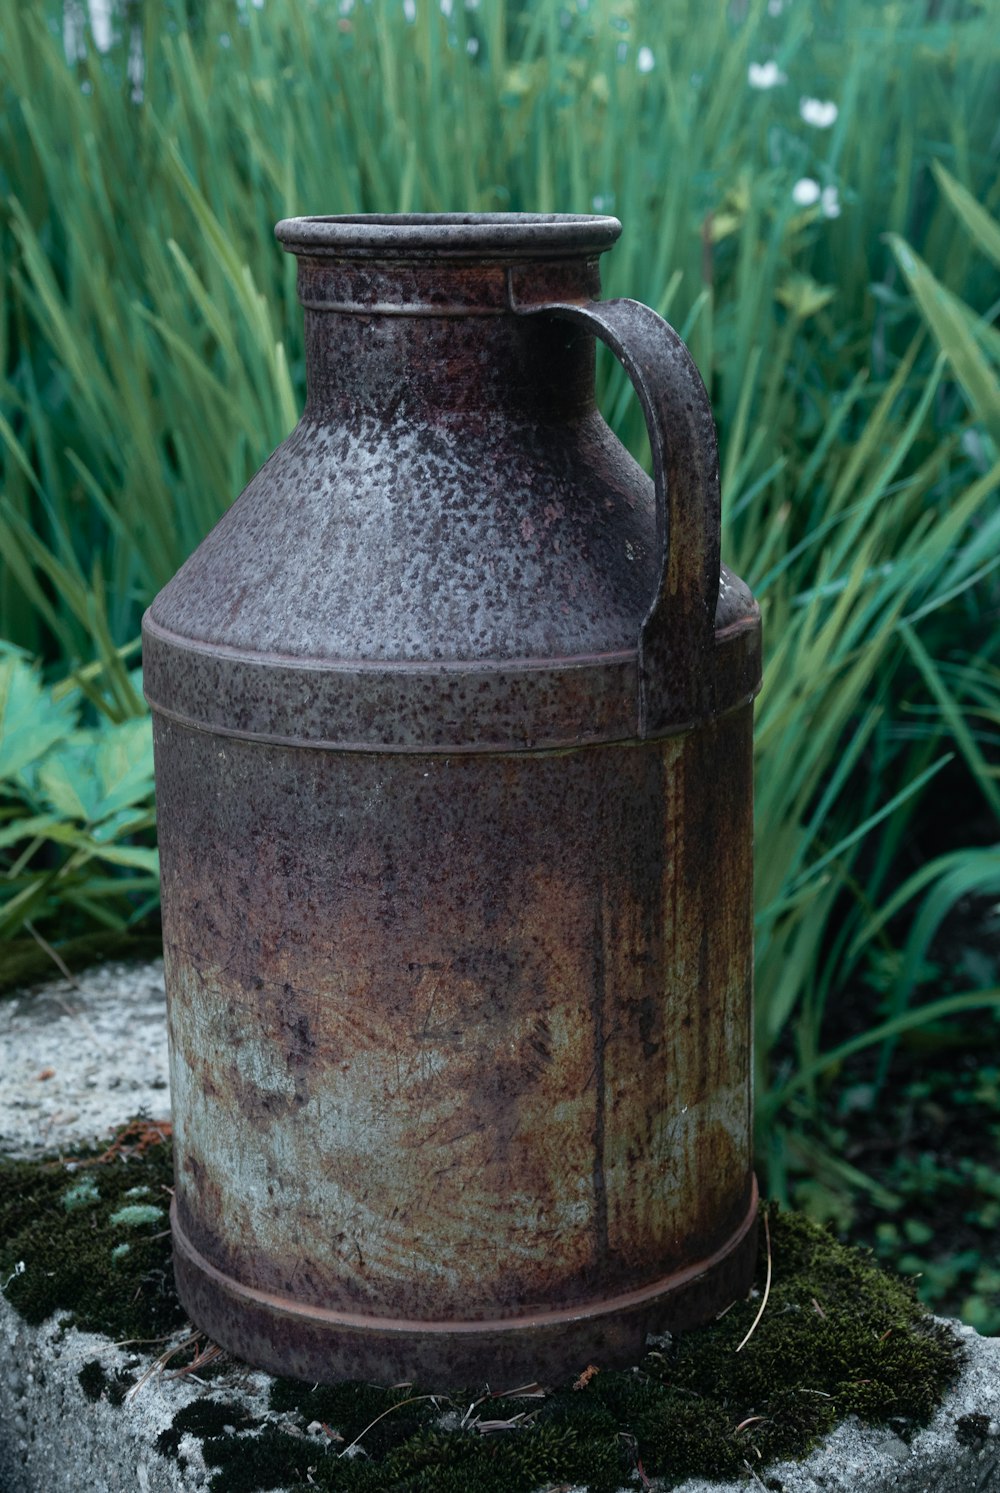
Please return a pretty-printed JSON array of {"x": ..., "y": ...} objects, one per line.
[{"x": 453, "y": 755}]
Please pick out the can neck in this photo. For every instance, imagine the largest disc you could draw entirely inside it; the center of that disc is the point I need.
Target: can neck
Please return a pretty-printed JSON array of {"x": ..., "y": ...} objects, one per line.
[{"x": 390, "y": 337}]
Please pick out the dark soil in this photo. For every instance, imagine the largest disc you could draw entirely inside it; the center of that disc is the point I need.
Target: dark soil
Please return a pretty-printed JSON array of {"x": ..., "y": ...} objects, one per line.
[{"x": 924, "y": 1137}]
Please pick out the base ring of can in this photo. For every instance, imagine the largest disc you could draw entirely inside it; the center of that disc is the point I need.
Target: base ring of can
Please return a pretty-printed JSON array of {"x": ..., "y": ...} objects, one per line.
[{"x": 317, "y": 1344}]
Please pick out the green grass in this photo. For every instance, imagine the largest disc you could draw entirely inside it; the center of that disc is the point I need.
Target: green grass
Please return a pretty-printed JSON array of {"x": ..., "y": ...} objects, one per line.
[{"x": 152, "y": 357}]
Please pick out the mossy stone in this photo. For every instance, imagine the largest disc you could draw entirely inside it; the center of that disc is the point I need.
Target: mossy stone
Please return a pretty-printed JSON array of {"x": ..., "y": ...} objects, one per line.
[
  {"x": 838, "y": 1337},
  {"x": 71, "y": 1251}
]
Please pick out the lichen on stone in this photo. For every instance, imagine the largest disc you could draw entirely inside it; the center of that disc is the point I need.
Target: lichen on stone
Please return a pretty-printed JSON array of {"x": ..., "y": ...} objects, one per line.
[
  {"x": 81, "y": 1194},
  {"x": 134, "y": 1214}
]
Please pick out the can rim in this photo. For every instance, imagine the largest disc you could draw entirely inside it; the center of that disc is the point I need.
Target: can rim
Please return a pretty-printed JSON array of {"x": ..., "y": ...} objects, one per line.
[{"x": 478, "y": 235}]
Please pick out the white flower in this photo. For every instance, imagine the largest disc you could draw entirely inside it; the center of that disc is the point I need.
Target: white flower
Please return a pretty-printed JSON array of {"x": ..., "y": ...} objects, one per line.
[
  {"x": 645, "y": 61},
  {"x": 819, "y": 112},
  {"x": 410, "y": 10},
  {"x": 472, "y": 46},
  {"x": 100, "y": 24},
  {"x": 775, "y": 7},
  {"x": 805, "y": 192},
  {"x": 446, "y": 7},
  {"x": 765, "y": 75},
  {"x": 830, "y": 202}
]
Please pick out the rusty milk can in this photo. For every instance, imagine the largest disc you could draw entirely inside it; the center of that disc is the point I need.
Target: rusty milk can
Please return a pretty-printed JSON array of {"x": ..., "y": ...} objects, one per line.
[{"x": 453, "y": 755}]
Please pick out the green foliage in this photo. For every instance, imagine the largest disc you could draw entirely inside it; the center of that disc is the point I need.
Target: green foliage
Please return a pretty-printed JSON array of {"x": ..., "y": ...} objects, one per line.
[
  {"x": 122, "y": 318},
  {"x": 74, "y": 801},
  {"x": 928, "y": 1199},
  {"x": 971, "y": 345}
]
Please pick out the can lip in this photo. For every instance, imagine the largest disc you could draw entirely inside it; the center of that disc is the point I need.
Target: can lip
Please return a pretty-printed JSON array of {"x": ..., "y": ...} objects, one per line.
[{"x": 472, "y": 235}]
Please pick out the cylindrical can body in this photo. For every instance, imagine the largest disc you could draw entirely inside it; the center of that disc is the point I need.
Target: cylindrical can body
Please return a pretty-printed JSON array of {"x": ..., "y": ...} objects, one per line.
[{"x": 460, "y": 1035}]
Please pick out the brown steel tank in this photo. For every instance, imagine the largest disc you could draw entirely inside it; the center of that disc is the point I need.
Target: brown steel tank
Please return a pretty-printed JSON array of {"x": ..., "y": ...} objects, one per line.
[{"x": 453, "y": 754}]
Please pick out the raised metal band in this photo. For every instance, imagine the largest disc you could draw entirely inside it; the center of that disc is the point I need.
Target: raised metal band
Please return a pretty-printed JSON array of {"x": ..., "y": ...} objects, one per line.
[
  {"x": 453, "y": 708},
  {"x": 611, "y": 1306},
  {"x": 350, "y": 287}
]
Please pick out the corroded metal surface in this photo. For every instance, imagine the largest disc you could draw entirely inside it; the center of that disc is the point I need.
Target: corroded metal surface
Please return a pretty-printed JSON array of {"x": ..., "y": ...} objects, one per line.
[
  {"x": 281, "y": 1334},
  {"x": 453, "y": 730}
]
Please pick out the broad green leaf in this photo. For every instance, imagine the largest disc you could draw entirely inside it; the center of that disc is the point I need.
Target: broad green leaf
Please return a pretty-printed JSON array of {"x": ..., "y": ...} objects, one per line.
[
  {"x": 124, "y": 822},
  {"x": 68, "y": 782},
  {"x": 110, "y": 771},
  {"x": 30, "y": 722},
  {"x": 128, "y": 855},
  {"x": 124, "y": 763},
  {"x": 32, "y": 827}
]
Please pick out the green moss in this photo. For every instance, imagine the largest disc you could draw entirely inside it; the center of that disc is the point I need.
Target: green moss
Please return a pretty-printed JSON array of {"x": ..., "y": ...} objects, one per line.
[
  {"x": 433, "y": 1461},
  {"x": 92, "y": 1379},
  {"x": 271, "y": 1459},
  {"x": 71, "y": 1244},
  {"x": 351, "y": 1408},
  {"x": 837, "y": 1337},
  {"x": 972, "y": 1430},
  {"x": 204, "y": 1419},
  {"x": 98, "y": 1384}
]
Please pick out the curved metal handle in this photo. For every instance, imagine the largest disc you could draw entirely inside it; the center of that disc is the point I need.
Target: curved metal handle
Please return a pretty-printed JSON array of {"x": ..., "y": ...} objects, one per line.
[{"x": 676, "y": 637}]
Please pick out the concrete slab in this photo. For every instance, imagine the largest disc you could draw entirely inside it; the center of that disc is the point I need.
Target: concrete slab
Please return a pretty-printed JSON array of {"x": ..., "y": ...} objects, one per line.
[{"x": 80, "y": 1058}]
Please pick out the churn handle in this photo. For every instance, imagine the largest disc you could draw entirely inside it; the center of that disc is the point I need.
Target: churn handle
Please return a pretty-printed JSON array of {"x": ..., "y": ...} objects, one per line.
[{"x": 676, "y": 637}]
